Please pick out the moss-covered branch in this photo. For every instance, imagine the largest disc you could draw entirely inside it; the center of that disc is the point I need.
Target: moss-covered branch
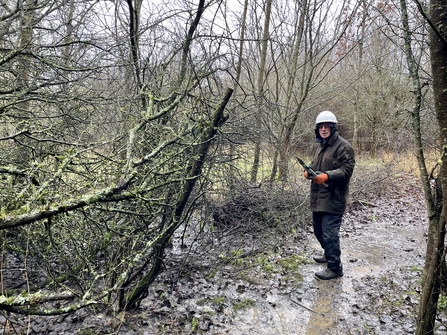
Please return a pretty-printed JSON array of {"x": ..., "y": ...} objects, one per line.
[
  {"x": 31, "y": 304},
  {"x": 10, "y": 221},
  {"x": 140, "y": 290}
]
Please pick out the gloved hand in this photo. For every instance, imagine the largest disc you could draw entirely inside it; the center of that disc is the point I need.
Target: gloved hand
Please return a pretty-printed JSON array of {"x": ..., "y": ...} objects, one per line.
[{"x": 321, "y": 178}]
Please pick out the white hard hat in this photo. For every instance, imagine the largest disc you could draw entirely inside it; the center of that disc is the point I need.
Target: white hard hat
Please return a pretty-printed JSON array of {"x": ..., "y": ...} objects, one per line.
[{"x": 326, "y": 116}]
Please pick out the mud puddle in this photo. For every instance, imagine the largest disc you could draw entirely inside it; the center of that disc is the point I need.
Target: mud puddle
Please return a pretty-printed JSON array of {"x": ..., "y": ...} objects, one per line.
[{"x": 343, "y": 306}]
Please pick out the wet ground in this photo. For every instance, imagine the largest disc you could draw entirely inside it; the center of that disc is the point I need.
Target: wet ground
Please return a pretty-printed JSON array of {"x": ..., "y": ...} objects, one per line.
[
  {"x": 383, "y": 243},
  {"x": 211, "y": 288}
]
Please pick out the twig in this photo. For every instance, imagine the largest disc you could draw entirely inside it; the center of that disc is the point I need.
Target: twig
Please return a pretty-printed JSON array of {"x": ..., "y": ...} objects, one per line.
[
  {"x": 310, "y": 310},
  {"x": 321, "y": 314},
  {"x": 364, "y": 203}
]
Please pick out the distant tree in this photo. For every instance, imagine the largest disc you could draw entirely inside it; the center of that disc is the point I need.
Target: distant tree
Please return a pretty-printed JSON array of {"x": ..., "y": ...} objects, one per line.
[
  {"x": 372, "y": 82},
  {"x": 315, "y": 65},
  {"x": 302, "y": 63},
  {"x": 259, "y": 94}
]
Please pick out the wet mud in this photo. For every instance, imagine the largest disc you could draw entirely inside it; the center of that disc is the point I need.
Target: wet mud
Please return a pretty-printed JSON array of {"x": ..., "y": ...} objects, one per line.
[
  {"x": 383, "y": 244},
  {"x": 210, "y": 288}
]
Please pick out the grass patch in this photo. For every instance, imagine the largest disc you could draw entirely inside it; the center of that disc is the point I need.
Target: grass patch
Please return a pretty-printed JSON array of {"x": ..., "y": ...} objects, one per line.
[
  {"x": 194, "y": 324},
  {"x": 278, "y": 264},
  {"x": 244, "y": 304},
  {"x": 218, "y": 300},
  {"x": 292, "y": 263},
  {"x": 211, "y": 275}
]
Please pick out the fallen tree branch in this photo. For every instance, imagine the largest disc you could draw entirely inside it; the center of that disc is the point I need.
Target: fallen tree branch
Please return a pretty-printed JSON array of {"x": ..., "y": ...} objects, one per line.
[
  {"x": 67, "y": 206},
  {"x": 140, "y": 290}
]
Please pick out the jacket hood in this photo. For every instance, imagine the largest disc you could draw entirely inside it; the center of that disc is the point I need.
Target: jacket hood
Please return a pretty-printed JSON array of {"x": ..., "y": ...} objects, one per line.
[{"x": 319, "y": 139}]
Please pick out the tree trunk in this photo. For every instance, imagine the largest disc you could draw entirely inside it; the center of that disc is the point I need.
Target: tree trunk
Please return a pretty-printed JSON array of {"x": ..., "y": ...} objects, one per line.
[
  {"x": 237, "y": 80},
  {"x": 23, "y": 72},
  {"x": 288, "y": 127},
  {"x": 436, "y": 231},
  {"x": 259, "y": 93},
  {"x": 241, "y": 45},
  {"x": 355, "y": 134},
  {"x": 134, "y": 24},
  {"x": 431, "y": 287}
]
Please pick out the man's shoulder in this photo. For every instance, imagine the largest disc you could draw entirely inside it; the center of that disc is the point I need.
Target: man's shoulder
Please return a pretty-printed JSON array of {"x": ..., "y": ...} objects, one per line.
[
  {"x": 345, "y": 141},
  {"x": 337, "y": 141}
]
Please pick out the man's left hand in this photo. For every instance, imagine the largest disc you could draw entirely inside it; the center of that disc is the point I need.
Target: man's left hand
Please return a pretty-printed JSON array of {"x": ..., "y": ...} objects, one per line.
[{"x": 321, "y": 178}]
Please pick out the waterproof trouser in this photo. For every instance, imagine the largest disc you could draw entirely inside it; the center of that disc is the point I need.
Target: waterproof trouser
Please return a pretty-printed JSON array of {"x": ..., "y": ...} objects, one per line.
[{"x": 326, "y": 229}]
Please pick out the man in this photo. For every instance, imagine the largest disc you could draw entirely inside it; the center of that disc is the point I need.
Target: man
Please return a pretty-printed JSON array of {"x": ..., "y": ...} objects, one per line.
[{"x": 334, "y": 161}]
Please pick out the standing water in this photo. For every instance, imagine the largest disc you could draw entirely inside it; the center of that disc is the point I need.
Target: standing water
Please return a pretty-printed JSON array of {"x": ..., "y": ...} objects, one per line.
[{"x": 380, "y": 245}]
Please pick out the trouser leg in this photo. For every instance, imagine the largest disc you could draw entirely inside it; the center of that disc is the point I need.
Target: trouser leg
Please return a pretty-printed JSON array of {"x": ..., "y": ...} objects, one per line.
[
  {"x": 318, "y": 228},
  {"x": 326, "y": 230}
]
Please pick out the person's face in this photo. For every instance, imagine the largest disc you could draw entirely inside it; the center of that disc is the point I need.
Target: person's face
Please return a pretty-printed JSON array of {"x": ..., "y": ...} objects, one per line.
[{"x": 324, "y": 130}]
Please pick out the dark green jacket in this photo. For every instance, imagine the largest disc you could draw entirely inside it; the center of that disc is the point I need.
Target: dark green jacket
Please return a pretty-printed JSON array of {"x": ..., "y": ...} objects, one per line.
[{"x": 336, "y": 158}]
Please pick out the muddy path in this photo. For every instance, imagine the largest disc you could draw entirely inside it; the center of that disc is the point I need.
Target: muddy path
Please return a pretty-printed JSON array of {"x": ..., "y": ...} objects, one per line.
[
  {"x": 211, "y": 288},
  {"x": 383, "y": 243}
]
